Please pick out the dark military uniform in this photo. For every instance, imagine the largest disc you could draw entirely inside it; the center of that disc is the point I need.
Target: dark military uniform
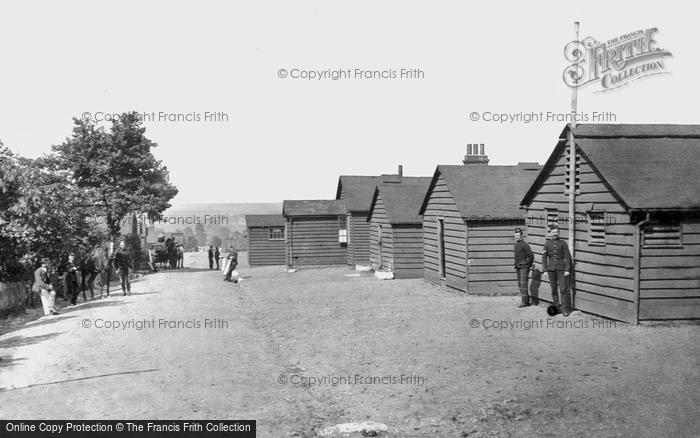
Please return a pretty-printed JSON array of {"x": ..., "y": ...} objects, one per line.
[
  {"x": 556, "y": 260},
  {"x": 70, "y": 282},
  {"x": 122, "y": 261},
  {"x": 523, "y": 262}
]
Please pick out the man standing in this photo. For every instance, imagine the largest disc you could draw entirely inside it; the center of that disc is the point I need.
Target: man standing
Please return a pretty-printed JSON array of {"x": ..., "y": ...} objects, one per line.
[
  {"x": 233, "y": 262},
  {"x": 42, "y": 285},
  {"x": 523, "y": 263},
  {"x": 217, "y": 256},
  {"x": 70, "y": 280},
  {"x": 180, "y": 256},
  {"x": 211, "y": 257},
  {"x": 556, "y": 262},
  {"x": 122, "y": 262}
]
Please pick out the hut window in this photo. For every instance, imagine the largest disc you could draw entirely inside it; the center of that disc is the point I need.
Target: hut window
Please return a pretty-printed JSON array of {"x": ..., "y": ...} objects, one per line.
[
  {"x": 276, "y": 234},
  {"x": 596, "y": 228},
  {"x": 662, "y": 234}
]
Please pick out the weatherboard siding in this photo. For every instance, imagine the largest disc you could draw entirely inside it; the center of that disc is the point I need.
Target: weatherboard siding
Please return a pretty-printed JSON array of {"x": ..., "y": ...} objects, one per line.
[
  {"x": 670, "y": 278},
  {"x": 358, "y": 236},
  {"x": 604, "y": 274},
  {"x": 441, "y": 204},
  {"x": 314, "y": 241},
  {"x": 261, "y": 250},
  {"x": 408, "y": 251},
  {"x": 381, "y": 256},
  {"x": 490, "y": 254}
]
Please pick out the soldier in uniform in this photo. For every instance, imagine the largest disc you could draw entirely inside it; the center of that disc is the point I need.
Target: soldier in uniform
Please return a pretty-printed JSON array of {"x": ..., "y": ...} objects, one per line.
[
  {"x": 556, "y": 262},
  {"x": 70, "y": 280},
  {"x": 210, "y": 254},
  {"x": 523, "y": 263},
  {"x": 122, "y": 262}
]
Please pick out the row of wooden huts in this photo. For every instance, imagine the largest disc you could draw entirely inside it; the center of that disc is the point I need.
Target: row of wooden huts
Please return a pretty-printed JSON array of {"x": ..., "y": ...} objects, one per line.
[{"x": 636, "y": 221}]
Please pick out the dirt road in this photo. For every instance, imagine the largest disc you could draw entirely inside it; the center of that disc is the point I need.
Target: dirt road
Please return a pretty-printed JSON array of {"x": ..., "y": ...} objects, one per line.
[{"x": 305, "y": 351}]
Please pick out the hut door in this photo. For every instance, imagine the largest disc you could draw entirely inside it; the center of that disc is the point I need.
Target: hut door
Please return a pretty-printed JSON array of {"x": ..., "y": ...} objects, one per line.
[
  {"x": 380, "y": 248},
  {"x": 441, "y": 246}
]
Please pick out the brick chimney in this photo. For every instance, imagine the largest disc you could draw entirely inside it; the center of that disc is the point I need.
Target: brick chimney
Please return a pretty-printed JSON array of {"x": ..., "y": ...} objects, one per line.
[{"x": 475, "y": 154}]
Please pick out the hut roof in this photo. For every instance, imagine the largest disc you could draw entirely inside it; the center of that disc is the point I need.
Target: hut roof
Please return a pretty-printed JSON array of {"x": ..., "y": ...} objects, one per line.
[
  {"x": 264, "y": 220},
  {"x": 313, "y": 207},
  {"x": 484, "y": 192},
  {"x": 647, "y": 167},
  {"x": 402, "y": 201},
  {"x": 358, "y": 189}
]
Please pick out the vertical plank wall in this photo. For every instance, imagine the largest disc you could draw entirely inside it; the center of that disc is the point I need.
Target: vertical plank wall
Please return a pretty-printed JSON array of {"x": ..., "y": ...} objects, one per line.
[
  {"x": 441, "y": 204},
  {"x": 604, "y": 273}
]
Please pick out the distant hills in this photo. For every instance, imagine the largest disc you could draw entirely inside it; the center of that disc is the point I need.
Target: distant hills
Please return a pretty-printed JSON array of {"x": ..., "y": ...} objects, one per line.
[{"x": 229, "y": 215}]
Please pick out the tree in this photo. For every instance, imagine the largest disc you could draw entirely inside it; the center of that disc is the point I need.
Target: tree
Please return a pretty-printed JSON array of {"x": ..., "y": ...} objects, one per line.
[
  {"x": 216, "y": 241},
  {"x": 117, "y": 169},
  {"x": 200, "y": 234},
  {"x": 46, "y": 218},
  {"x": 191, "y": 243}
]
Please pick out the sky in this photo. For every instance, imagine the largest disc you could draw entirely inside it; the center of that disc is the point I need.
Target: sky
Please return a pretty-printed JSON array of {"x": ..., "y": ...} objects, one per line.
[{"x": 273, "y": 138}]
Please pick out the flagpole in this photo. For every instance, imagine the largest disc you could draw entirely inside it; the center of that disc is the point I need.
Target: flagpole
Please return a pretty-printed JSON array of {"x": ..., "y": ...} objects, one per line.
[{"x": 572, "y": 154}]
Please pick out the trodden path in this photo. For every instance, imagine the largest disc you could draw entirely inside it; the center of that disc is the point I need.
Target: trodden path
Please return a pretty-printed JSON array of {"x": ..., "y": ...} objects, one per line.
[
  {"x": 74, "y": 366},
  {"x": 473, "y": 378}
]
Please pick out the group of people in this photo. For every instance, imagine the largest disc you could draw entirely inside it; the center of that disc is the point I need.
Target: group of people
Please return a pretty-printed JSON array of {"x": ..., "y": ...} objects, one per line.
[
  {"x": 171, "y": 256},
  {"x": 214, "y": 255},
  {"x": 69, "y": 273},
  {"x": 556, "y": 262}
]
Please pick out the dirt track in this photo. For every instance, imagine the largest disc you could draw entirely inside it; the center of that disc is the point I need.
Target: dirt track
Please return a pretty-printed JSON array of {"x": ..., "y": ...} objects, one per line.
[{"x": 461, "y": 375}]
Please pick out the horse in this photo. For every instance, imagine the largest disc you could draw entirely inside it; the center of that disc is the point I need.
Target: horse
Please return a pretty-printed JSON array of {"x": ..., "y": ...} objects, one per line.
[{"x": 95, "y": 265}]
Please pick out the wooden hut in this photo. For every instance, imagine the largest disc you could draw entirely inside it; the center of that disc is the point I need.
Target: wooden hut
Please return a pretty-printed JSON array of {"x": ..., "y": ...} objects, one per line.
[
  {"x": 355, "y": 191},
  {"x": 396, "y": 228},
  {"x": 636, "y": 219},
  {"x": 265, "y": 239},
  {"x": 315, "y": 232},
  {"x": 469, "y": 214}
]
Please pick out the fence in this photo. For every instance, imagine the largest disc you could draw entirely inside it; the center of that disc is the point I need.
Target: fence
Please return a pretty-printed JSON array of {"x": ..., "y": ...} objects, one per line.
[{"x": 14, "y": 298}]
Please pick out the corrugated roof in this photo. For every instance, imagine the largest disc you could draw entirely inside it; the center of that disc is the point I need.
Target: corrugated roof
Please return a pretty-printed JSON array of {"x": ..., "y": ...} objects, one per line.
[
  {"x": 358, "y": 190},
  {"x": 484, "y": 192},
  {"x": 402, "y": 201},
  {"x": 313, "y": 207},
  {"x": 264, "y": 220},
  {"x": 646, "y": 166}
]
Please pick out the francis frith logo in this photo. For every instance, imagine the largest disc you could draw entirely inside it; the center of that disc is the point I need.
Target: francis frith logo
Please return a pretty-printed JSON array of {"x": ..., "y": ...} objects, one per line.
[{"x": 616, "y": 62}]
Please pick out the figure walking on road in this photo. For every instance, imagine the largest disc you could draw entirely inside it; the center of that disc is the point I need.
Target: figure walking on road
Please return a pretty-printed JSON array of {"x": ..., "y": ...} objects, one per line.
[
  {"x": 556, "y": 262},
  {"x": 122, "y": 262},
  {"x": 217, "y": 256},
  {"x": 42, "y": 285},
  {"x": 523, "y": 263},
  {"x": 232, "y": 263},
  {"x": 211, "y": 257}
]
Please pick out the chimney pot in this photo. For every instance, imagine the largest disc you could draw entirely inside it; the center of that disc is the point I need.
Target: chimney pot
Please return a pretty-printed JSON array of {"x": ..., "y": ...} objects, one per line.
[
  {"x": 400, "y": 169},
  {"x": 476, "y": 154}
]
